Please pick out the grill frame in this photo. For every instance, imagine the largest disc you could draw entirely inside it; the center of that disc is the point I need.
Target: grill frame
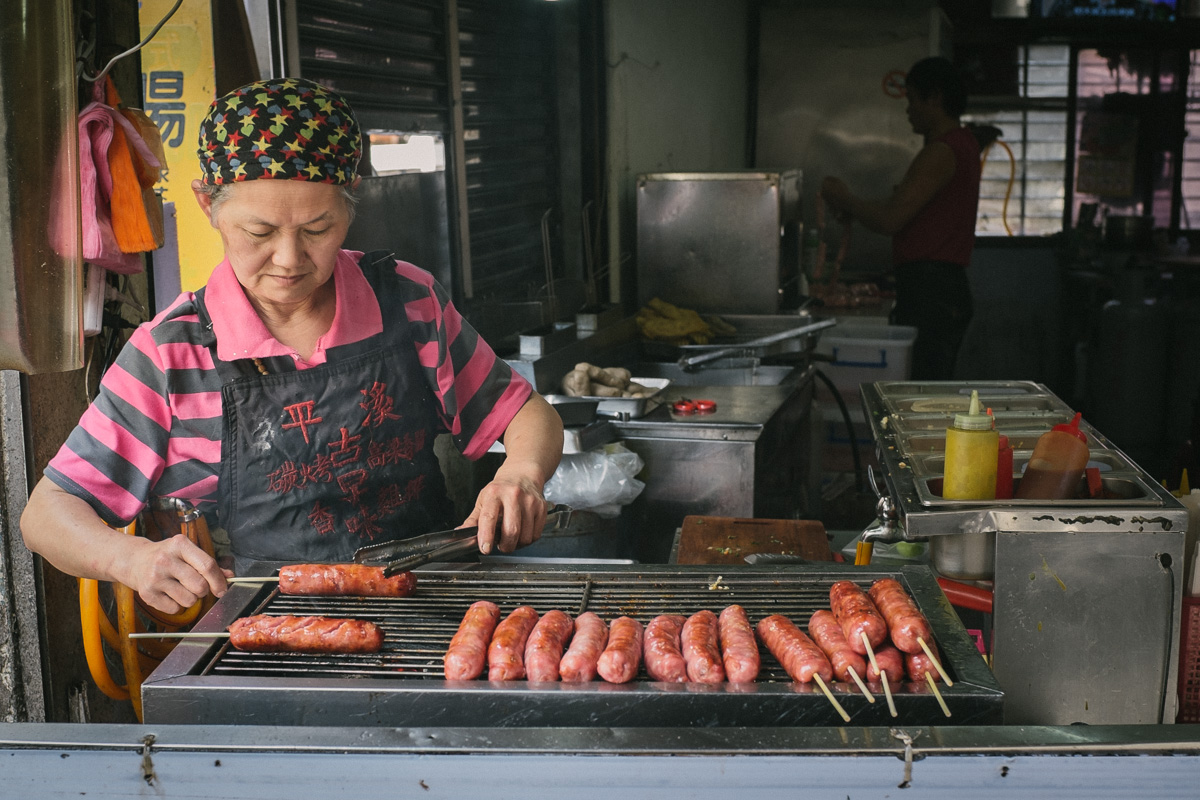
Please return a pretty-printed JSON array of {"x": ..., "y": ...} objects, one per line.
[{"x": 210, "y": 683}]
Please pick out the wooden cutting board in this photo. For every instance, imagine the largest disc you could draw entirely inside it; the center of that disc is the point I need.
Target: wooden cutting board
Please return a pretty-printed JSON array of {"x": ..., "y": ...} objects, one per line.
[{"x": 728, "y": 540}]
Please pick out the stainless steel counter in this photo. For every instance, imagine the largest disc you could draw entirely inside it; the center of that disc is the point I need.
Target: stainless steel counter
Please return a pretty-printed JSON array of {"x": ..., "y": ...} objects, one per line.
[
  {"x": 220, "y": 761},
  {"x": 750, "y": 458}
]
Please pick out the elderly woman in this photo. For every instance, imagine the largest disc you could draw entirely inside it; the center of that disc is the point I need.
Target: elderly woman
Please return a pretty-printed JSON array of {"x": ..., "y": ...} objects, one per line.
[{"x": 299, "y": 392}]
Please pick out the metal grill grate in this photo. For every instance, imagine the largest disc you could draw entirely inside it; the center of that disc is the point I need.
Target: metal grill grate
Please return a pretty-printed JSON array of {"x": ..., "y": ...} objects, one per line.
[
  {"x": 404, "y": 685},
  {"x": 417, "y": 630}
]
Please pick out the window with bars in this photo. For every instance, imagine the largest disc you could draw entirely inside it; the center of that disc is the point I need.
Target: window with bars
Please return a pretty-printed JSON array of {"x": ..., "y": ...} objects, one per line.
[
  {"x": 1022, "y": 190},
  {"x": 1189, "y": 212}
]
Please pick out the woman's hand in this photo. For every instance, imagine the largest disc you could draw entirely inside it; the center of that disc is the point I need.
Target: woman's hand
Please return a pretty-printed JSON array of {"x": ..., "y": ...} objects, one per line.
[
  {"x": 510, "y": 511},
  {"x": 173, "y": 574}
]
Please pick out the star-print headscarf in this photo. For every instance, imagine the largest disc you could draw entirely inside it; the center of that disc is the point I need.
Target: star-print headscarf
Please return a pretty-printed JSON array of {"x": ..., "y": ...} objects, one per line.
[{"x": 286, "y": 128}]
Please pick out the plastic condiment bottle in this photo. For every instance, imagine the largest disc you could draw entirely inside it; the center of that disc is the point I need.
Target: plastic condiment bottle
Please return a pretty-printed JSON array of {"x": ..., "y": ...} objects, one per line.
[
  {"x": 972, "y": 447},
  {"x": 1056, "y": 466}
]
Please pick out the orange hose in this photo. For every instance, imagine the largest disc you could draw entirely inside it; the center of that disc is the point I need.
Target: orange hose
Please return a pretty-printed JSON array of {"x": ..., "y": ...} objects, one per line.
[
  {"x": 127, "y": 624},
  {"x": 93, "y": 648}
]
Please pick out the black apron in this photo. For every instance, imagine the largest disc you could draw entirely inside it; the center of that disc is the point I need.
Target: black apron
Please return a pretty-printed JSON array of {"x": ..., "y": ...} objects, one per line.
[{"x": 316, "y": 463}]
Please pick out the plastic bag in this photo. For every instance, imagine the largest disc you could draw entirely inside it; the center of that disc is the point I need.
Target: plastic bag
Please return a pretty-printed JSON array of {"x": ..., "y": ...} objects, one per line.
[{"x": 600, "y": 480}]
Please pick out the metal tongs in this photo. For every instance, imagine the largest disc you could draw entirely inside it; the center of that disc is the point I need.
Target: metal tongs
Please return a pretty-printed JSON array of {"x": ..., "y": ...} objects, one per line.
[
  {"x": 405, "y": 554},
  {"x": 688, "y": 362}
]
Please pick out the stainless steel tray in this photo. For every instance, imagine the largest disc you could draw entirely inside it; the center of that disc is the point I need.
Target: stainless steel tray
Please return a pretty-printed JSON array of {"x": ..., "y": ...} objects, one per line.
[{"x": 631, "y": 407}]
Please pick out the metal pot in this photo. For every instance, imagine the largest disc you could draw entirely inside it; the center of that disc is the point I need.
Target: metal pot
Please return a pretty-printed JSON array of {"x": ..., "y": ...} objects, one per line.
[
  {"x": 966, "y": 556},
  {"x": 1127, "y": 231}
]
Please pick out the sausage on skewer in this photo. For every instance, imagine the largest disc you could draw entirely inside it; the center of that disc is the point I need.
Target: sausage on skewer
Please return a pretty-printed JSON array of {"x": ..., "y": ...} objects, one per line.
[
  {"x": 662, "y": 649},
  {"x": 857, "y": 615},
  {"x": 623, "y": 655},
  {"x": 824, "y": 629},
  {"x": 579, "y": 662},
  {"x": 465, "y": 657},
  {"x": 918, "y": 664},
  {"x": 905, "y": 622},
  {"x": 738, "y": 647},
  {"x": 506, "y": 653},
  {"x": 701, "y": 650},
  {"x": 545, "y": 647},
  {"x": 798, "y": 655},
  {"x": 264, "y": 633},
  {"x": 344, "y": 580},
  {"x": 891, "y": 661}
]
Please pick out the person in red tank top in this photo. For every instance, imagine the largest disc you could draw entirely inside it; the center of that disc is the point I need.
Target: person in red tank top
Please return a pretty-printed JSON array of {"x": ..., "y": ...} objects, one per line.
[{"x": 930, "y": 217}]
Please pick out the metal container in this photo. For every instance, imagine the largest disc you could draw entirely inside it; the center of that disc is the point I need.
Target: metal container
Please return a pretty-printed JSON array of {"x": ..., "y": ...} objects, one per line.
[
  {"x": 204, "y": 682},
  {"x": 1087, "y": 593},
  {"x": 726, "y": 242},
  {"x": 573, "y": 410},
  {"x": 632, "y": 407}
]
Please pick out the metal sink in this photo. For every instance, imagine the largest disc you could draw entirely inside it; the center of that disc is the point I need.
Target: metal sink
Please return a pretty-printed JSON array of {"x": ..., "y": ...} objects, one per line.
[{"x": 731, "y": 372}]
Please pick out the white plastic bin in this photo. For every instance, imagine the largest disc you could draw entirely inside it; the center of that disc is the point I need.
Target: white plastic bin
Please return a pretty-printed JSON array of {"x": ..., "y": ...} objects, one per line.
[{"x": 864, "y": 354}]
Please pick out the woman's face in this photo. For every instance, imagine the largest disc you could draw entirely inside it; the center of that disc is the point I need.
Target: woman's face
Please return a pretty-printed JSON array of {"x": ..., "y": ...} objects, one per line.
[{"x": 281, "y": 236}]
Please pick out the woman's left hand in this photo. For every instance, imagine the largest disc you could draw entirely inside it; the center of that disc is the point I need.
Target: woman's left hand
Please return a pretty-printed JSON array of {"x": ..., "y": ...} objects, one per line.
[{"x": 510, "y": 511}]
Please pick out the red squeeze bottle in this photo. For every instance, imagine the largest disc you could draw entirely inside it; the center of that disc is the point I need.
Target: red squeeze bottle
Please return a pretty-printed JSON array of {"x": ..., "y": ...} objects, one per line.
[
  {"x": 1004, "y": 470},
  {"x": 1056, "y": 466}
]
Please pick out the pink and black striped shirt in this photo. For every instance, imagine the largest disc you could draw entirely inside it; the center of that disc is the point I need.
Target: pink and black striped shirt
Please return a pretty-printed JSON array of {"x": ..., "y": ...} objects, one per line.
[{"x": 155, "y": 427}]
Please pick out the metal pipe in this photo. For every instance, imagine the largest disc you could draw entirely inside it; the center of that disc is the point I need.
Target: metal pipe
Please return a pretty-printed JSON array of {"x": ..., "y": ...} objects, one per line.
[{"x": 41, "y": 266}]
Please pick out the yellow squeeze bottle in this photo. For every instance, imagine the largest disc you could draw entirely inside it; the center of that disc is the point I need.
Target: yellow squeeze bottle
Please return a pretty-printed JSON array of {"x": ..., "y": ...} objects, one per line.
[{"x": 972, "y": 446}]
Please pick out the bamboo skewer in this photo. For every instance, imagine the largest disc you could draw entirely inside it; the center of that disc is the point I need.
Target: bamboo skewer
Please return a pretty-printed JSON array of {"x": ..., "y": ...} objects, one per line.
[
  {"x": 870, "y": 652},
  {"x": 862, "y": 686},
  {"x": 887, "y": 692},
  {"x": 251, "y": 580},
  {"x": 832, "y": 699},
  {"x": 941, "y": 670},
  {"x": 936, "y": 693}
]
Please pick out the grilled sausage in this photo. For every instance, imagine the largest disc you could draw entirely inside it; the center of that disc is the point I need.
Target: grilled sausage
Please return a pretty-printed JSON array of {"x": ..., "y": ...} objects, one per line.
[
  {"x": 857, "y": 615},
  {"x": 623, "y": 655},
  {"x": 891, "y": 661},
  {"x": 824, "y": 629},
  {"x": 465, "y": 657},
  {"x": 545, "y": 648},
  {"x": 739, "y": 650},
  {"x": 917, "y": 664},
  {"x": 701, "y": 650},
  {"x": 344, "y": 580},
  {"x": 662, "y": 649},
  {"x": 798, "y": 655},
  {"x": 263, "y": 633},
  {"x": 506, "y": 653},
  {"x": 905, "y": 621},
  {"x": 579, "y": 662}
]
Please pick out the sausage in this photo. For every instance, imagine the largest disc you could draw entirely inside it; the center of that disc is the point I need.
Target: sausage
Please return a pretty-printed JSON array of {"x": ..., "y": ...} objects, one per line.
[
  {"x": 662, "y": 649},
  {"x": 917, "y": 664},
  {"x": 798, "y": 655},
  {"x": 579, "y": 662},
  {"x": 857, "y": 615},
  {"x": 701, "y": 649},
  {"x": 905, "y": 621},
  {"x": 506, "y": 653},
  {"x": 464, "y": 658},
  {"x": 623, "y": 655},
  {"x": 545, "y": 647},
  {"x": 345, "y": 580},
  {"x": 738, "y": 648},
  {"x": 824, "y": 629},
  {"x": 263, "y": 633},
  {"x": 891, "y": 661}
]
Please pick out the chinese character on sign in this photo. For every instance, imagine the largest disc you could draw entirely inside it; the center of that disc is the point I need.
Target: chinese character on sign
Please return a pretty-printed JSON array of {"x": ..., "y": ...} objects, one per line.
[
  {"x": 302, "y": 417},
  {"x": 378, "y": 406},
  {"x": 160, "y": 86},
  {"x": 284, "y": 479},
  {"x": 322, "y": 519},
  {"x": 346, "y": 450}
]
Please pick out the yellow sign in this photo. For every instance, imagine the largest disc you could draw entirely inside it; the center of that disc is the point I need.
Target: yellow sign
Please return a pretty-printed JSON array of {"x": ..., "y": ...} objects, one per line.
[{"x": 178, "y": 86}]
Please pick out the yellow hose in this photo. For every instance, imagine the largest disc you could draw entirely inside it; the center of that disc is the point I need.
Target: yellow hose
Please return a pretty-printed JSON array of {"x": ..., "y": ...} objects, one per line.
[{"x": 93, "y": 648}]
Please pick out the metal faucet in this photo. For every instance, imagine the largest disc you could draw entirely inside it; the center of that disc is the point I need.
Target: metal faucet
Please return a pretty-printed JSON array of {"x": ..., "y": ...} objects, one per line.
[{"x": 887, "y": 527}]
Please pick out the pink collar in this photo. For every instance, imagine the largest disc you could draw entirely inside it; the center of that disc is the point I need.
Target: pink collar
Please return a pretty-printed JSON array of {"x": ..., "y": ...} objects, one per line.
[{"x": 241, "y": 334}]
